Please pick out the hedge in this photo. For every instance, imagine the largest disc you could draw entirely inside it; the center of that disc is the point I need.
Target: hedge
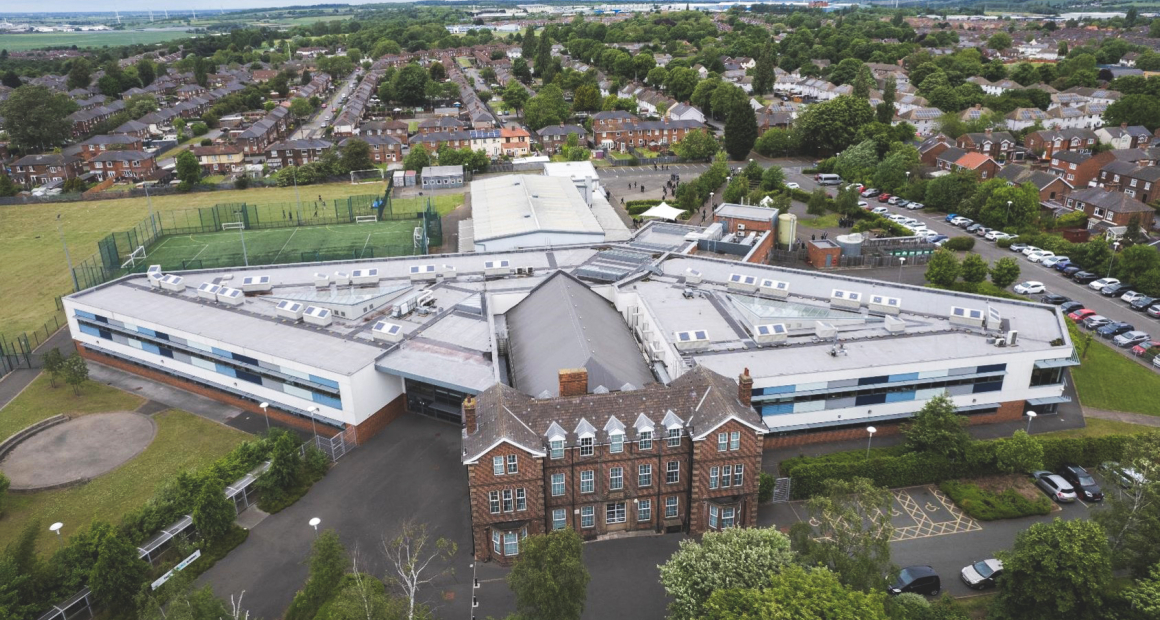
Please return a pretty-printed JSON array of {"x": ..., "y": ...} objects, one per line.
[
  {"x": 960, "y": 244},
  {"x": 914, "y": 468},
  {"x": 636, "y": 207},
  {"x": 987, "y": 506}
]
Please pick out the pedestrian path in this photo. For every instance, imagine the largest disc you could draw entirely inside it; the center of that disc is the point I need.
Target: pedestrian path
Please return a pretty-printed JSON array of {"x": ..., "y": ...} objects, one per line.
[{"x": 1122, "y": 416}]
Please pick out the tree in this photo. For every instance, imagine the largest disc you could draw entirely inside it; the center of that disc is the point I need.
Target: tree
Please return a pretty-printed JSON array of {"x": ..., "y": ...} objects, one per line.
[
  {"x": 657, "y": 76},
  {"x": 363, "y": 597},
  {"x": 973, "y": 269},
  {"x": 356, "y": 155},
  {"x": 411, "y": 554},
  {"x": 546, "y": 108},
  {"x": 943, "y": 268},
  {"x": 1134, "y": 110},
  {"x": 328, "y": 563},
  {"x": 832, "y": 125},
  {"x": 697, "y": 145},
  {"x": 1143, "y": 596},
  {"x": 438, "y": 71},
  {"x": 681, "y": 82},
  {"x": 1022, "y": 453},
  {"x": 885, "y": 110},
  {"x": 740, "y": 131},
  {"x": 544, "y": 59},
  {"x": 946, "y": 192},
  {"x": 1130, "y": 517},
  {"x": 417, "y": 159},
  {"x": 857, "y": 161},
  {"x": 1004, "y": 272},
  {"x": 817, "y": 203},
  {"x": 188, "y": 169},
  {"x": 213, "y": 515},
  {"x": 515, "y": 96},
  {"x": 999, "y": 41},
  {"x": 862, "y": 83},
  {"x": 410, "y": 85},
  {"x": 301, "y": 108},
  {"x": 117, "y": 574},
  {"x": 80, "y": 75},
  {"x": 4, "y": 483},
  {"x": 285, "y": 471},
  {"x": 796, "y": 592},
  {"x": 937, "y": 428},
  {"x": 737, "y": 189},
  {"x": 36, "y": 118},
  {"x": 521, "y": 70},
  {"x": 586, "y": 98},
  {"x": 1055, "y": 570},
  {"x": 852, "y": 535},
  {"x": 53, "y": 363},
  {"x": 146, "y": 71},
  {"x": 763, "y": 74},
  {"x": 7, "y": 187},
  {"x": 776, "y": 143},
  {"x": 730, "y": 559},
  {"x": 846, "y": 71},
  {"x": 773, "y": 178},
  {"x": 76, "y": 372}
]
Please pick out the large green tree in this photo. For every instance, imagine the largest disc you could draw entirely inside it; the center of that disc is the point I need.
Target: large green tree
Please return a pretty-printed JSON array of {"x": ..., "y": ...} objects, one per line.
[
  {"x": 740, "y": 131},
  {"x": 697, "y": 145},
  {"x": 1005, "y": 272},
  {"x": 1021, "y": 454},
  {"x": 937, "y": 428},
  {"x": 410, "y": 85},
  {"x": 188, "y": 169},
  {"x": 763, "y": 75},
  {"x": 852, "y": 535},
  {"x": 213, "y": 514},
  {"x": 680, "y": 83},
  {"x": 732, "y": 559},
  {"x": 943, "y": 268},
  {"x": 36, "y": 118},
  {"x": 1061, "y": 569},
  {"x": 117, "y": 574},
  {"x": 328, "y": 562},
  {"x": 549, "y": 578},
  {"x": 515, "y": 96},
  {"x": 973, "y": 270},
  {"x": 80, "y": 75},
  {"x": 1134, "y": 110},
  {"x": 796, "y": 593},
  {"x": 356, "y": 155},
  {"x": 945, "y": 193},
  {"x": 830, "y": 126},
  {"x": 546, "y": 108},
  {"x": 1132, "y": 517}
]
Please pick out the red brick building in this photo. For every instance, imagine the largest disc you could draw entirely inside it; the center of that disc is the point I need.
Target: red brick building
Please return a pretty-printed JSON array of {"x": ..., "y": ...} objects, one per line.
[
  {"x": 996, "y": 144},
  {"x": 122, "y": 165},
  {"x": 1079, "y": 168},
  {"x": 296, "y": 152},
  {"x": 1047, "y": 141},
  {"x": 1139, "y": 182},
  {"x": 1106, "y": 208},
  {"x": 385, "y": 149},
  {"x": 99, "y": 144},
  {"x": 954, "y": 160},
  {"x": 1050, "y": 187},
  {"x": 46, "y": 168}
]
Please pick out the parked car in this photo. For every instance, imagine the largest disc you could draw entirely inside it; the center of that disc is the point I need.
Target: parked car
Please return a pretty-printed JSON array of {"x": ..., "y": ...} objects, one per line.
[
  {"x": 870, "y": 193},
  {"x": 1053, "y": 299},
  {"x": 1115, "y": 328},
  {"x": 862, "y": 204},
  {"x": 883, "y": 197},
  {"x": 1064, "y": 263},
  {"x": 1098, "y": 285},
  {"x": 1029, "y": 287},
  {"x": 951, "y": 217},
  {"x": 1030, "y": 249},
  {"x": 964, "y": 222},
  {"x": 1055, "y": 486},
  {"x": 1143, "y": 302},
  {"x": 893, "y": 200},
  {"x": 1070, "y": 271},
  {"x": 1095, "y": 321},
  {"x": 982, "y": 231},
  {"x": 936, "y": 239},
  {"x": 982, "y": 574},
  {"x": 1035, "y": 257},
  {"x": 1082, "y": 482},
  {"x": 1130, "y": 339},
  {"x": 793, "y": 186},
  {"x": 1126, "y": 477},
  {"x": 880, "y": 210},
  {"x": 1114, "y": 290},
  {"x": 1071, "y": 306},
  {"x": 1154, "y": 311},
  {"x": 914, "y": 206},
  {"x": 971, "y": 228},
  {"x": 902, "y": 202},
  {"x": 1018, "y": 247},
  {"x": 1145, "y": 347},
  {"x": 1080, "y": 314},
  {"x": 1084, "y": 277},
  {"x": 993, "y": 234},
  {"x": 1051, "y": 261},
  {"x": 916, "y": 579},
  {"x": 1131, "y": 296}
]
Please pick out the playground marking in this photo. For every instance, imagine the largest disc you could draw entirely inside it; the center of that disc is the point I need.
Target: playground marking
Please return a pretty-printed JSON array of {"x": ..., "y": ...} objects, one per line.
[
  {"x": 365, "y": 244},
  {"x": 203, "y": 248},
  {"x": 284, "y": 245}
]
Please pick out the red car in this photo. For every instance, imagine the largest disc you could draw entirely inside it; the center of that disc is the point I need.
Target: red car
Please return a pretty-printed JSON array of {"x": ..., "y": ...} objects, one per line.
[
  {"x": 1143, "y": 347},
  {"x": 883, "y": 197},
  {"x": 1081, "y": 314}
]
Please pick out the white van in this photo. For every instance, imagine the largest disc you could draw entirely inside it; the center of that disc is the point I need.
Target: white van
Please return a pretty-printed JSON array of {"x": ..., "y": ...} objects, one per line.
[{"x": 827, "y": 179}]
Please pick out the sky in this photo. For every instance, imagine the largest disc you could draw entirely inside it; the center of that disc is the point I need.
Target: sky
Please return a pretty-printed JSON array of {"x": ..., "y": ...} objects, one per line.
[{"x": 40, "y": 6}]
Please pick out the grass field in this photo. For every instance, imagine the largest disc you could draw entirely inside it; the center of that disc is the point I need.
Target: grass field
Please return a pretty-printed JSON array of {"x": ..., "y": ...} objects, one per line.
[
  {"x": 1105, "y": 379},
  {"x": 184, "y": 441},
  {"x": 1100, "y": 428},
  {"x": 21, "y": 42},
  {"x": 40, "y": 401},
  {"x": 33, "y": 270}
]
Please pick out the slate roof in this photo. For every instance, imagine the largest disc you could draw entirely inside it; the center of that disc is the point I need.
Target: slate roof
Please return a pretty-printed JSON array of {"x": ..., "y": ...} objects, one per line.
[
  {"x": 1023, "y": 174},
  {"x": 1112, "y": 201}
]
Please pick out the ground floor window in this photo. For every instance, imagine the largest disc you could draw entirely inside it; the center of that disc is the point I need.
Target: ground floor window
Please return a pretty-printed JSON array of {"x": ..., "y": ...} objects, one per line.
[
  {"x": 614, "y": 513},
  {"x": 644, "y": 510},
  {"x": 587, "y": 516},
  {"x": 671, "y": 507},
  {"x": 511, "y": 544},
  {"x": 727, "y": 517},
  {"x": 713, "y": 517}
]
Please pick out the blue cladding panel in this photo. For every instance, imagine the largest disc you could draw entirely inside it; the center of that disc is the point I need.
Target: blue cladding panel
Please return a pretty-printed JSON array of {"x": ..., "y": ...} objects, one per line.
[
  {"x": 146, "y": 331},
  {"x": 991, "y": 368},
  {"x": 329, "y": 401},
  {"x": 101, "y": 319},
  {"x": 873, "y": 380},
  {"x": 221, "y": 352},
  {"x": 161, "y": 335},
  {"x": 993, "y": 386},
  {"x": 326, "y": 382},
  {"x": 92, "y": 331},
  {"x": 777, "y": 389},
  {"x": 166, "y": 352},
  {"x": 910, "y": 376},
  {"x": 898, "y": 397},
  {"x": 84, "y": 315},
  {"x": 152, "y": 348},
  {"x": 777, "y": 409},
  {"x": 245, "y": 360},
  {"x": 106, "y": 334},
  {"x": 249, "y": 376},
  {"x": 870, "y": 399},
  {"x": 225, "y": 370}
]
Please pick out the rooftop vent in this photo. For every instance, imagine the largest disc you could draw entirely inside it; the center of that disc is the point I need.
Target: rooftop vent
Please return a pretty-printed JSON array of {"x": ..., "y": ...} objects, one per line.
[
  {"x": 341, "y": 278},
  {"x": 885, "y": 305},
  {"x": 208, "y": 290},
  {"x": 994, "y": 321},
  {"x": 895, "y": 326},
  {"x": 447, "y": 272},
  {"x": 290, "y": 310},
  {"x": 773, "y": 288},
  {"x": 966, "y": 316},
  {"x": 773, "y": 332},
  {"x": 694, "y": 340},
  {"x": 230, "y": 296},
  {"x": 321, "y": 280},
  {"x": 497, "y": 268},
  {"x": 742, "y": 282},
  {"x": 387, "y": 332},
  {"x": 825, "y": 331},
  {"x": 254, "y": 284},
  {"x": 173, "y": 283},
  {"x": 692, "y": 276},
  {"x": 423, "y": 272},
  {"x": 153, "y": 269},
  {"x": 845, "y": 299},
  {"x": 364, "y": 276},
  {"x": 317, "y": 316},
  {"x": 154, "y": 278}
]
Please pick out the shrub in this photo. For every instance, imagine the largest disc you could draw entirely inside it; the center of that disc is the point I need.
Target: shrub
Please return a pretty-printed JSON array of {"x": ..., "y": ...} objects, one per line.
[
  {"x": 987, "y": 506},
  {"x": 1005, "y": 243},
  {"x": 765, "y": 484},
  {"x": 636, "y": 207},
  {"x": 242, "y": 182},
  {"x": 960, "y": 244},
  {"x": 206, "y": 142},
  {"x": 4, "y": 482}
]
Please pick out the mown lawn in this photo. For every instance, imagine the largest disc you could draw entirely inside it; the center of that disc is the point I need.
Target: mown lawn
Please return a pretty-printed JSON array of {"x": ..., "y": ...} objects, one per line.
[
  {"x": 1105, "y": 379},
  {"x": 829, "y": 220},
  {"x": 1100, "y": 428},
  {"x": 40, "y": 401},
  {"x": 184, "y": 441},
  {"x": 33, "y": 271},
  {"x": 444, "y": 203}
]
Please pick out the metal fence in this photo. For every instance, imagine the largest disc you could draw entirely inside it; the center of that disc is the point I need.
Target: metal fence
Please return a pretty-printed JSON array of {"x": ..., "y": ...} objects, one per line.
[
  {"x": 16, "y": 350},
  {"x": 160, "y": 190}
]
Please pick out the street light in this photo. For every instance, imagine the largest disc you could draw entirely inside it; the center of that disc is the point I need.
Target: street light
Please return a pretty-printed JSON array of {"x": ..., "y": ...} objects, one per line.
[
  {"x": 1030, "y": 416},
  {"x": 871, "y": 430},
  {"x": 313, "y": 411},
  {"x": 1008, "y": 212},
  {"x": 1115, "y": 246},
  {"x": 55, "y": 527},
  {"x": 264, "y": 406},
  {"x": 71, "y": 271},
  {"x": 314, "y": 524},
  {"x": 901, "y": 262}
]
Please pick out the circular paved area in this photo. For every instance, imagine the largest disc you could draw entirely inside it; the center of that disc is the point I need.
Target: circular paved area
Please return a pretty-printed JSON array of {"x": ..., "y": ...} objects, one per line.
[{"x": 82, "y": 448}]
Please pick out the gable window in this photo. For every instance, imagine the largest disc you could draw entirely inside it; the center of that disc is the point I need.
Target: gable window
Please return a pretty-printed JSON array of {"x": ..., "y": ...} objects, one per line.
[
  {"x": 673, "y": 472},
  {"x": 616, "y": 478},
  {"x": 512, "y": 464},
  {"x": 557, "y": 448},
  {"x": 557, "y": 485},
  {"x": 585, "y": 446},
  {"x": 645, "y": 440},
  {"x": 587, "y": 481},
  {"x": 508, "y": 505},
  {"x": 674, "y": 437},
  {"x": 735, "y": 440},
  {"x": 616, "y": 443},
  {"x": 497, "y": 465},
  {"x": 722, "y": 442},
  {"x": 671, "y": 504}
]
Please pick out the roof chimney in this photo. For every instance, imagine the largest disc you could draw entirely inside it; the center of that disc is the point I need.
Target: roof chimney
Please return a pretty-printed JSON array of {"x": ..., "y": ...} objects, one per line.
[
  {"x": 988, "y": 132},
  {"x": 573, "y": 382},
  {"x": 469, "y": 421},
  {"x": 745, "y": 388},
  {"x": 1123, "y": 125}
]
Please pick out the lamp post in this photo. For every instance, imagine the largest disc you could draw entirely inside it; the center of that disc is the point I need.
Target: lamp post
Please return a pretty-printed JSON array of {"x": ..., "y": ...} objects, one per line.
[
  {"x": 314, "y": 524},
  {"x": 871, "y": 430},
  {"x": 908, "y": 177},
  {"x": 1008, "y": 219},
  {"x": 1115, "y": 246},
  {"x": 901, "y": 262},
  {"x": 1030, "y": 416},
  {"x": 55, "y": 527},
  {"x": 264, "y": 406},
  {"x": 72, "y": 272}
]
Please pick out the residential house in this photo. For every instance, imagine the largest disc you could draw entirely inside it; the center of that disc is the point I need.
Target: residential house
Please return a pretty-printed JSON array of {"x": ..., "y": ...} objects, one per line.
[
  {"x": 1022, "y": 118},
  {"x": 956, "y": 159},
  {"x": 99, "y": 144},
  {"x": 441, "y": 124},
  {"x": 1139, "y": 182},
  {"x": 433, "y": 140},
  {"x": 932, "y": 147},
  {"x": 296, "y": 152},
  {"x": 997, "y": 144},
  {"x": 684, "y": 112},
  {"x": 1125, "y": 137},
  {"x": 553, "y": 137},
  {"x": 1050, "y": 186},
  {"x": 924, "y": 120},
  {"x": 1106, "y": 208},
  {"x": 1047, "y": 141},
  {"x": 220, "y": 158},
  {"x": 394, "y": 128},
  {"x": 44, "y": 168},
  {"x": 1077, "y": 167},
  {"x": 516, "y": 141},
  {"x": 122, "y": 165},
  {"x": 132, "y": 128},
  {"x": 385, "y": 149}
]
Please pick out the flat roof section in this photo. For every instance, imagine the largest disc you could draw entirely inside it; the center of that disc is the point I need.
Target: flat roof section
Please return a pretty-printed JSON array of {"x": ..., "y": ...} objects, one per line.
[{"x": 522, "y": 204}]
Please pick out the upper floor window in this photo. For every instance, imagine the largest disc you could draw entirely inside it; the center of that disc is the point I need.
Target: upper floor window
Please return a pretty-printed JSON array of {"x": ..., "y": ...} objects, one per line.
[
  {"x": 735, "y": 440},
  {"x": 585, "y": 446},
  {"x": 616, "y": 478},
  {"x": 674, "y": 437},
  {"x": 512, "y": 464},
  {"x": 645, "y": 440},
  {"x": 616, "y": 443},
  {"x": 497, "y": 465},
  {"x": 557, "y": 448}
]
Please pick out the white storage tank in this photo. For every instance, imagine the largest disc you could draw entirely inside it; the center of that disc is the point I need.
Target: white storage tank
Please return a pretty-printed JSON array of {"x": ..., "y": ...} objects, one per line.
[
  {"x": 341, "y": 278},
  {"x": 851, "y": 244},
  {"x": 290, "y": 309},
  {"x": 256, "y": 284},
  {"x": 321, "y": 280},
  {"x": 231, "y": 296},
  {"x": 208, "y": 290},
  {"x": 364, "y": 276},
  {"x": 773, "y": 288},
  {"x": 317, "y": 316},
  {"x": 173, "y": 283},
  {"x": 387, "y": 332},
  {"x": 786, "y": 229}
]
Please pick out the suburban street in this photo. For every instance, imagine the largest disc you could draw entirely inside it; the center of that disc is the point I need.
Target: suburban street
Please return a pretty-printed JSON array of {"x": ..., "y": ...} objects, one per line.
[{"x": 315, "y": 127}]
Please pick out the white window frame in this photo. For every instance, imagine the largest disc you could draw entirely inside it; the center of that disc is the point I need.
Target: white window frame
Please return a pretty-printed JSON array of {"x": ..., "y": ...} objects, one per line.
[
  {"x": 644, "y": 475},
  {"x": 672, "y": 507},
  {"x": 738, "y": 475},
  {"x": 722, "y": 442},
  {"x": 735, "y": 440},
  {"x": 712, "y": 517},
  {"x": 588, "y": 481},
  {"x": 616, "y": 479},
  {"x": 508, "y": 501},
  {"x": 728, "y": 517},
  {"x": 557, "y": 448},
  {"x": 586, "y": 448},
  {"x": 714, "y": 473},
  {"x": 615, "y": 512},
  {"x": 616, "y": 443},
  {"x": 644, "y": 510},
  {"x": 511, "y": 544},
  {"x": 493, "y": 502},
  {"x": 673, "y": 472},
  {"x": 674, "y": 438},
  {"x": 497, "y": 465},
  {"x": 559, "y": 519},
  {"x": 513, "y": 466},
  {"x": 587, "y": 517},
  {"x": 646, "y": 440},
  {"x": 558, "y": 485},
  {"x": 497, "y": 542},
  {"x": 726, "y": 476},
  {"x": 521, "y": 499}
]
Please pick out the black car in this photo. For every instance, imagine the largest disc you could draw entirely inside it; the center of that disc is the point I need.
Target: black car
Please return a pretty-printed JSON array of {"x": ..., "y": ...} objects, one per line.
[
  {"x": 1070, "y": 271},
  {"x": 1115, "y": 290},
  {"x": 1085, "y": 486},
  {"x": 916, "y": 579},
  {"x": 1053, "y": 299},
  {"x": 1084, "y": 277},
  {"x": 1142, "y": 303},
  {"x": 1113, "y": 329},
  {"x": 1070, "y": 306}
]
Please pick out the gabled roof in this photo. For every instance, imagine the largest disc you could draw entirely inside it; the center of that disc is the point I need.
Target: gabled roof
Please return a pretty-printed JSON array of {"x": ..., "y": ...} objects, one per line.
[
  {"x": 972, "y": 160},
  {"x": 1112, "y": 201}
]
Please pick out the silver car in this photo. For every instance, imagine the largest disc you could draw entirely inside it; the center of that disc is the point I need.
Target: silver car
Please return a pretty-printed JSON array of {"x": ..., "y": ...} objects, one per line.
[
  {"x": 1059, "y": 489},
  {"x": 982, "y": 574}
]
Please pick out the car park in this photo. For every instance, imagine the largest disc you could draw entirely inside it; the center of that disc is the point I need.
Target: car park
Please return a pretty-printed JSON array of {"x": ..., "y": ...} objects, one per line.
[
  {"x": 1070, "y": 306},
  {"x": 982, "y": 574},
  {"x": 1070, "y": 271},
  {"x": 1126, "y": 477},
  {"x": 1035, "y": 257},
  {"x": 1029, "y": 250},
  {"x": 982, "y": 231},
  {"x": 916, "y": 580},
  {"x": 1143, "y": 302},
  {"x": 1029, "y": 287},
  {"x": 964, "y": 222},
  {"x": 1114, "y": 290},
  {"x": 1084, "y": 277},
  {"x": 1130, "y": 339},
  {"x": 1055, "y": 486},
  {"x": 1098, "y": 285},
  {"x": 1145, "y": 347},
  {"x": 1064, "y": 263},
  {"x": 1113, "y": 329},
  {"x": 1050, "y": 261},
  {"x": 1131, "y": 296},
  {"x": 1054, "y": 299},
  {"x": 1095, "y": 321},
  {"x": 1082, "y": 482},
  {"x": 1153, "y": 311}
]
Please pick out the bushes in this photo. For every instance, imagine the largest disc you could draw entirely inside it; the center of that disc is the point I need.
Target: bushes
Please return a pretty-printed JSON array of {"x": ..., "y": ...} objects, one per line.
[
  {"x": 4, "y": 482},
  {"x": 765, "y": 483},
  {"x": 877, "y": 222},
  {"x": 1005, "y": 243},
  {"x": 290, "y": 476},
  {"x": 987, "y": 506},
  {"x": 960, "y": 244},
  {"x": 636, "y": 207}
]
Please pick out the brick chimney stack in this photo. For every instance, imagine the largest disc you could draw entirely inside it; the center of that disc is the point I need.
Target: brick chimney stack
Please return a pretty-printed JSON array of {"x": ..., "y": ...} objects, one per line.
[
  {"x": 745, "y": 388},
  {"x": 469, "y": 421},
  {"x": 573, "y": 382}
]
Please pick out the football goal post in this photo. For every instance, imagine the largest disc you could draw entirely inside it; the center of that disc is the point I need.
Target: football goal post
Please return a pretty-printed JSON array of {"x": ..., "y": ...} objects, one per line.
[
  {"x": 134, "y": 256},
  {"x": 233, "y": 225},
  {"x": 373, "y": 175},
  {"x": 366, "y": 219}
]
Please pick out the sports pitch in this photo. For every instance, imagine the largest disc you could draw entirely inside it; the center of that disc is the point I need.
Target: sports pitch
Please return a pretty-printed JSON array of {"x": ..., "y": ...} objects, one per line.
[{"x": 283, "y": 245}]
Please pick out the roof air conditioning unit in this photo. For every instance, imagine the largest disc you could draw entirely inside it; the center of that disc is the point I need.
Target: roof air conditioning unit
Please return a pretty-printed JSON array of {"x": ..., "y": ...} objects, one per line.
[
  {"x": 321, "y": 280},
  {"x": 968, "y": 317},
  {"x": 741, "y": 282},
  {"x": 341, "y": 278},
  {"x": 153, "y": 269},
  {"x": 774, "y": 332},
  {"x": 447, "y": 272},
  {"x": 1012, "y": 337},
  {"x": 825, "y": 331},
  {"x": 154, "y": 278},
  {"x": 850, "y": 300},
  {"x": 656, "y": 351},
  {"x": 773, "y": 288},
  {"x": 387, "y": 332},
  {"x": 881, "y": 304},
  {"x": 994, "y": 321},
  {"x": 173, "y": 283},
  {"x": 230, "y": 296},
  {"x": 895, "y": 326},
  {"x": 421, "y": 273},
  {"x": 694, "y": 340},
  {"x": 497, "y": 268},
  {"x": 359, "y": 277},
  {"x": 289, "y": 310},
  {"x": 317, "y": 316},
  {"x": 692, "y": 276},
  {"x": 208, "y": 290},
  {"x": 255, "y": 284}
]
